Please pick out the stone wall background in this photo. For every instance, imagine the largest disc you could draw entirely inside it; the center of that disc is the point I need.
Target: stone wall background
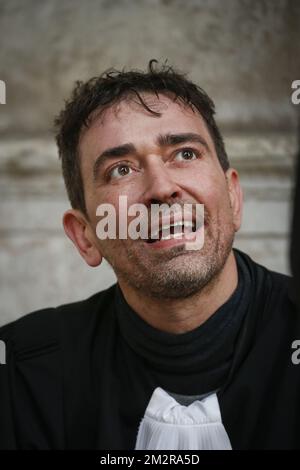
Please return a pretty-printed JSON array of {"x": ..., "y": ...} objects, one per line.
[{"x": 244, "y": 53}]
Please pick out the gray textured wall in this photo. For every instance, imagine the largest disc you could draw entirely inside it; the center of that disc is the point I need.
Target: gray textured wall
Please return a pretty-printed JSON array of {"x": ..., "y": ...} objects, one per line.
[{"x": 244, "y": 53}]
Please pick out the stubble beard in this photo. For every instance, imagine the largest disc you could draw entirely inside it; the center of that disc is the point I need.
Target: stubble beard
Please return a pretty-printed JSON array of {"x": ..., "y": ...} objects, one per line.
[{"x": 176, "y": 273}]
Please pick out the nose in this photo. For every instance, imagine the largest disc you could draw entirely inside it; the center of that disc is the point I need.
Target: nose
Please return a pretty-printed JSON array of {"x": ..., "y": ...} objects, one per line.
[{"x": 160, "y": 185}]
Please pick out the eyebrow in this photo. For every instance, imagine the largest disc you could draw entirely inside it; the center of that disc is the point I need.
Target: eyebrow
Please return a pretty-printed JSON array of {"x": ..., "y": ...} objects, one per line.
[{"x": 165, "y": 140}]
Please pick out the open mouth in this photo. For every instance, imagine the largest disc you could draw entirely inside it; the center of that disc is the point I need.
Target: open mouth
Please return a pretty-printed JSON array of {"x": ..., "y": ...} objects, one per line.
[{"x": 173, "y": 231}]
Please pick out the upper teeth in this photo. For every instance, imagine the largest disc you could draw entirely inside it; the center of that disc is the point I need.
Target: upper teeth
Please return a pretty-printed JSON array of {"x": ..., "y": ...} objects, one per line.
[{"x": 168, "y": 226}]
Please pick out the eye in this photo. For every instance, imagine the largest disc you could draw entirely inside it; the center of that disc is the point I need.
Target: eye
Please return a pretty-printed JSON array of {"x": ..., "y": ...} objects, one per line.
[
  {"x": 118, "y": 171},
  {"x": 186, "y": 155}
]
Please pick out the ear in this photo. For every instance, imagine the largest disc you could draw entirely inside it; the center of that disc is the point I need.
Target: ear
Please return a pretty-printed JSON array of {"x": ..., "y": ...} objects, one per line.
[
  {"x": 79, "y": 231},
  {"x": 235, "y": 195}
]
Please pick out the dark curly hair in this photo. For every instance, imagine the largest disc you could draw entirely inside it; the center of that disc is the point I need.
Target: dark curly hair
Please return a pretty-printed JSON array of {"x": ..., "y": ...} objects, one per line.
[{"x": 100, "y": 93}]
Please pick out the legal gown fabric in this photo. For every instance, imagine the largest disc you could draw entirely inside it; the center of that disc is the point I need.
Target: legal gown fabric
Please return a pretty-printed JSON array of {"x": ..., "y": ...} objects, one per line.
[{"x": 81, "y": 376}]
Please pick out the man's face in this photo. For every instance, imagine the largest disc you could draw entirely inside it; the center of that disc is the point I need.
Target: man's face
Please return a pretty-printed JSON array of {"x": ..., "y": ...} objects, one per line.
[{"x": 152, "y": 171}]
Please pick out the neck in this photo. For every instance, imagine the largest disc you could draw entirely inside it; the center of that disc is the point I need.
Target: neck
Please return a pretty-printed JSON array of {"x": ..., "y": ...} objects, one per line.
[{"x": 183, "y": 315}]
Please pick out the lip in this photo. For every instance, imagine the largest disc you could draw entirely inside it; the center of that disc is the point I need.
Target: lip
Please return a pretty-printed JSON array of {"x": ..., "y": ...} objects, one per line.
[
  {"x": 166, "y": 220},
  {"x": 164, "y": 244}
]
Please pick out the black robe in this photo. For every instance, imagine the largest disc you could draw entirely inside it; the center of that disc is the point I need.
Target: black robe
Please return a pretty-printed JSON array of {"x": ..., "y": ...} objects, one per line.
[{"x": 80, "y": 376}]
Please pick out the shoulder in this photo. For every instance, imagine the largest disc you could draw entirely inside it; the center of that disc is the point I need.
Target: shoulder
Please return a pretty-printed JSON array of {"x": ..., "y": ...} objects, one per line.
[
  {"x": 270, "y": 291},
  {"x": 257, "y": 270},
  {"x": 41, "y": 330},
  {"x": 43, "y": 350}
]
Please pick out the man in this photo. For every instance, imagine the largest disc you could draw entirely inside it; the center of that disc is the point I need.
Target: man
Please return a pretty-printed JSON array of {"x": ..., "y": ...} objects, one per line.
[{"x": 190, "y": 349}]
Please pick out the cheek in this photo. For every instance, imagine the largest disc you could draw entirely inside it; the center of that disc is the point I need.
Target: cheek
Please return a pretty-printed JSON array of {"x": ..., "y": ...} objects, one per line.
[
  {"x": 198, "y": 174},
  {"x": 216, "y": 202},
  {"x": 206, "y": 188},
  {"x": 98, "y": 197}
]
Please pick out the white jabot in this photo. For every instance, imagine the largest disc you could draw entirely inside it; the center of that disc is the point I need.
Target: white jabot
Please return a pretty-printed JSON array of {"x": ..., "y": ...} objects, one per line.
[{"x": 170, "y": 426}]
